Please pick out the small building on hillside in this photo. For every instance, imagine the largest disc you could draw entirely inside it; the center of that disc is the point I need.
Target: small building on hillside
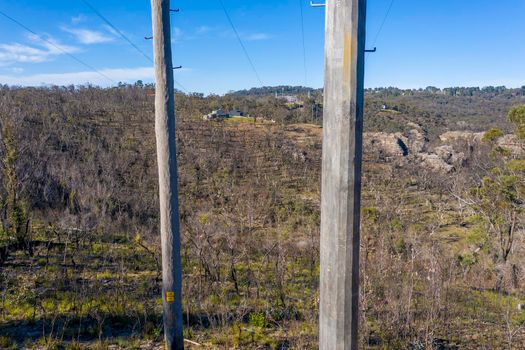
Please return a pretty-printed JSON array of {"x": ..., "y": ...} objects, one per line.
[
  {"x": 236, "y": 113},
  {"x": 386, "y": 107},
  {"x": 292, "y": 99},
  {"x": 222, "y": 114},
  {"x": 216, "y": 114}
]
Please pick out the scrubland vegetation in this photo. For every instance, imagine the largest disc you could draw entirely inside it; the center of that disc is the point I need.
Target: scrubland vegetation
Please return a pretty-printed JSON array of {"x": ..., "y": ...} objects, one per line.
[{"x": 442, "y": 254}]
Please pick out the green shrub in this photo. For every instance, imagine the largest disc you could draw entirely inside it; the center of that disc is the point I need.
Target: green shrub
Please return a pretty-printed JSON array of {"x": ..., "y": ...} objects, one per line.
[
  {"x": 6, "y": 343},
  {"x": 257, "y": 319},
  {"x": 517, "y": 165},
  {"x": 467, "y": 259},
  {"x": 517, "y": 117},
  {"x": 492, "y": 135}
]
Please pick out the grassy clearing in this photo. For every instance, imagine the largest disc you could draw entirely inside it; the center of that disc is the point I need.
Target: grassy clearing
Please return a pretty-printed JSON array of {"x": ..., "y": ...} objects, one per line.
[
  {"x": 109, "y": 291},
  {"x": 240, "y": 120}
]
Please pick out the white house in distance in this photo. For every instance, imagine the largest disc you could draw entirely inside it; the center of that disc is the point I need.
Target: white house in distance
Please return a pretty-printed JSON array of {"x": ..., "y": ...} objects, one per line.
[
  {"x": 222, "y": 114},
  {"x": 291, "y": 99}
]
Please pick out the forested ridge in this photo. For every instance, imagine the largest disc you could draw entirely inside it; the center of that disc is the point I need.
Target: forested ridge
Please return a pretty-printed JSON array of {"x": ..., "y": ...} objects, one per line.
[{"x": 442, "y": 252}]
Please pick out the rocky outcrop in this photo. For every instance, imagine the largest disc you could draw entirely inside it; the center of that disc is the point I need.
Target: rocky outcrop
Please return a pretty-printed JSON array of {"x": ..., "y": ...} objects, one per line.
[
  {"x": 396, "y": 145},
  {"x": 434, "y": 162},
  {"x": 414, "y": 146},
  {"x": 511, "y": 142},
  {"x": 449, "y": 155},
  {"x": 417, "y": 140},
  {"x": 452, "y": 136},
  {"x": 508, "y": 141},
  {"x": 385, "y": 145}
]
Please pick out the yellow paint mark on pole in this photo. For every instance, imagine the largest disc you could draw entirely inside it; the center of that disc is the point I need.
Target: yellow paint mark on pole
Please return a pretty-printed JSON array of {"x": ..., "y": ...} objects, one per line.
[{"x": 347, "y": 55}]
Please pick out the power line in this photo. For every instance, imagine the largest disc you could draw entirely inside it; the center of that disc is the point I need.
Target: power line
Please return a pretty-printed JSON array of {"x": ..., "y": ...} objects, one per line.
[
  {"x": 123, "y": 36},
  {"x": 383, "y": 23},
  {"x": 240, "y": 42},
  {"x": 304, "y": 43},
  {"x": 56, "y": 46},
  {"x": 117, "y": 30}
]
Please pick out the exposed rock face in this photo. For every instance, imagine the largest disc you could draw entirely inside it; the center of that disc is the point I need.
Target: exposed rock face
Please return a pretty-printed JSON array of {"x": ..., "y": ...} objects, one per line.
[
  {"x": 385, "y": 144},
  {"x": 396, "y": 145},
  {"x": 435, "y": 162},
  {"x": 417, "y": 140},
  {"x": 442, "y": 159},
  {"x": 451, "y": 136},
  {"x": 511, "y": 142},
  {"x": 449, "y": 155},
  {"x": 414, "y": 146}
]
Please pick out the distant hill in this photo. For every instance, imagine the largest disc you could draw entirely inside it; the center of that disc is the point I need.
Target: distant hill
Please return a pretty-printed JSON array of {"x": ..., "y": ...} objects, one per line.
[
  {"x": 388, "y": 91},
  {"x": 272, "y": 90},
  {"x": 391, "y": 109},
  {"x": 439, "y": 110}
]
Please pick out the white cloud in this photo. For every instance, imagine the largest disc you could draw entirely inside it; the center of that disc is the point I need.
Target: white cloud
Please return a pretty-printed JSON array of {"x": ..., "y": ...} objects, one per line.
[
  {"x": 256, "y": 37},
  {"x": 203, "y": 30},
  {"x": 10, "y": 53},
  {"x": 87, "y": 36},
  {"x": 177, "y": 33},
  {"x": 53, "y": 46},
  {"x": 78, "y": 78},
  {"x": 78, "y": 19},
  {"x": 228, "y": 33},
  {"x": 40, "y": 51}
]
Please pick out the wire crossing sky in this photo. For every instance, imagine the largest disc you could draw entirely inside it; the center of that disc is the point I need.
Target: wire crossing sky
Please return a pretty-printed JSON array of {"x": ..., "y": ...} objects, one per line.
[
  {"x": 419, "y": 43},
  {"x": 303, "y": 40},
  {"x": 240, "y": 42},
  {"x": 123, "y": 36},
  {"x": 51, "y": 43}
]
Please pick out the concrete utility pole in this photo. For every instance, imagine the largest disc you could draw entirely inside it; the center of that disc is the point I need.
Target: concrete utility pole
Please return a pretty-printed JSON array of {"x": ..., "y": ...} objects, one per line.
[
  {"x": 167, "y": 162},
  {"x": 341, "y": 177}
]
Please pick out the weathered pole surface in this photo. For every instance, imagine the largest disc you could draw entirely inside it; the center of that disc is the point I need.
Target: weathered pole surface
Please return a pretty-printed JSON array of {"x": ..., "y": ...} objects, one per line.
[
  {"x": 167, "y": 163},
  {"x": 341, "y": 176}
]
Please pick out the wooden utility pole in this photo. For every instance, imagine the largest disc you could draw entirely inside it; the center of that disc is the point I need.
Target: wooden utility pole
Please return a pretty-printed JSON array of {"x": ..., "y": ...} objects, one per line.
[
  {"x": 341, "y": 177},
  {"x": 167, "y": 163}
]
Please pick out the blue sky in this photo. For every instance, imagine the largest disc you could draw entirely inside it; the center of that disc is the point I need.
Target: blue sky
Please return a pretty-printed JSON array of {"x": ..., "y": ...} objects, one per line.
[{"x": 423, "y": 42}]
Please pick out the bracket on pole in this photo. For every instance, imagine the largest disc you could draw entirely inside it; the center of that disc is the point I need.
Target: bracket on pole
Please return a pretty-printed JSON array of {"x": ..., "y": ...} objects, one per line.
[
  {"x": 373, "y": 50},
  {"x": 178, "y": 67},
  {"x": 175, "y": 10},
  {"x": 148, "y": 37},
  {"x": 313, "y": 4}
]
